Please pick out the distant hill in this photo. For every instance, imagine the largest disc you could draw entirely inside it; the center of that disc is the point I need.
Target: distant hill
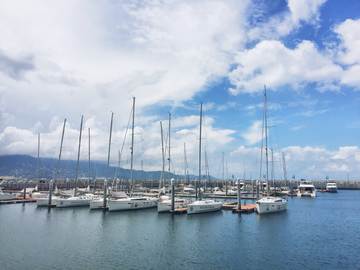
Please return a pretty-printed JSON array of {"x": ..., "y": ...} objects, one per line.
[{"x": 23, "y": 166}]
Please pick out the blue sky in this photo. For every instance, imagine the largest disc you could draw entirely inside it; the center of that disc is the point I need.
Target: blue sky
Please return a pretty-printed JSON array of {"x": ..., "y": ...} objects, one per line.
[{"x": 64, "y": 59}]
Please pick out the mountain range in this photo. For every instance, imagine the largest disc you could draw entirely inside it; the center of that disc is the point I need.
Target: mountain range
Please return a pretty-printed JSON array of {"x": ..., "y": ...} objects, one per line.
[{"x": 24, "y": 166}]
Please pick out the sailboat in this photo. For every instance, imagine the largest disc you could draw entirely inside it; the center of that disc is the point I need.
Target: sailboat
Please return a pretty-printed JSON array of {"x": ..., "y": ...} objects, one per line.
[
  {"x": 164, "y": 203},
  {"x": 202, "y": 206},
  {"x": 82, "y": 200},
  {"x": 268, "y": 204},
  {"x": 45, "y": 201},
  {"x": 132, "y": 203}
]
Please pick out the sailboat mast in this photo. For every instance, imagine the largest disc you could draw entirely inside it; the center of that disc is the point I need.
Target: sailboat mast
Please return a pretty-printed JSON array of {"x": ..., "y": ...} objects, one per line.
[
  {"x": 108, "y": 161},
  {"x": 169, "y": 144},
  {"x": 200, "y": 152},
  {"x": 37, "y": 171},
  {"x": 266, "y": 148},
  {"x": 78, "y": 158},
  {"x": 62, "y": 139},
  {"x": 163, "y": 156},
  {"x": 132, "y": 144},
  {"x": 89, "y": 155}
]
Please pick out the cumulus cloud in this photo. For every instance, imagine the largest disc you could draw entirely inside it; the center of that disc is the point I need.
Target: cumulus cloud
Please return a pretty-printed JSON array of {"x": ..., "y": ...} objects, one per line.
[{"x": 273, "y": 63}]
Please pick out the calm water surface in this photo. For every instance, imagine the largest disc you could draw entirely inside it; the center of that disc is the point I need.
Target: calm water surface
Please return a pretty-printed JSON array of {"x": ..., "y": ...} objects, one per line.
[{"x": 314, "y": 233}]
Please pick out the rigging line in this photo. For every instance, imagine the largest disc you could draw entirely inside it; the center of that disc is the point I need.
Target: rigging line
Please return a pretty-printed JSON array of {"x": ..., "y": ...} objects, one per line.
[{"x": 122, "y": 147}]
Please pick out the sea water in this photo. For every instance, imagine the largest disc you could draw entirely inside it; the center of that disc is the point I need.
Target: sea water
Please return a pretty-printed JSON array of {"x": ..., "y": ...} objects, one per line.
[{"x": 313, "y": 233}]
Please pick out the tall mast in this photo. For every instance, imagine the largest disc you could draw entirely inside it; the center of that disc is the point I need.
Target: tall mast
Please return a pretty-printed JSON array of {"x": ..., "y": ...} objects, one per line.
[
  {"x": 266, "y": 148},
  {"x": 77, "y": 165},
  {"x": 132, "y": 145},
  {"x": 200, "y": 153},
  {"x": 37, "y": 171},
  {"x": 163, "y": 157},
  {"x": 108, "y": 161},
  {"x": 62, "y": 139},
  {"x": 284, "y": 165},
  {"x": 169, "y": 143},
  {"x": 89, "y": 155}
]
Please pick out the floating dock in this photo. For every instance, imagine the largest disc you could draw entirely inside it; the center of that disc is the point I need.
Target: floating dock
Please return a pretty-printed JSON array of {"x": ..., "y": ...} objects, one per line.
[{"x": 18, "y": 200}]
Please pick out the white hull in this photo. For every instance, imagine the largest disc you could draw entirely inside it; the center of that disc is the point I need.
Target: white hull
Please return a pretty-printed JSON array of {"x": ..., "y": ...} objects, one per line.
[
  {"x": 203, "y": 206},
  {"x": 6, "y": 196},
  {"x": 74, "y": 201},
  {"x": 331, "y": 187},
  {"x": 44, "y": 201},
  {"x": 165, "y": 206},
  {"x": 306, "y": 189},
  {"x": 132, "y": 204},
  {"x": 97, "y": 203},
  {"x": 269, "y": 205}
]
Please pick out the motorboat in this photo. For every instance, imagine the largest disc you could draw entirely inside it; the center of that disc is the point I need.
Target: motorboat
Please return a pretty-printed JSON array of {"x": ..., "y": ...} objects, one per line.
[
  {"x": 132, "y": 203},
  {"x": 331, "y": 187},
  {"x": 267, "y": 205},
  {"x": 164, "y": 204},
  {"x": 203, "y": 206},
  {"x": 6, "y": 196},
  {"x": 306, "y": 189}
]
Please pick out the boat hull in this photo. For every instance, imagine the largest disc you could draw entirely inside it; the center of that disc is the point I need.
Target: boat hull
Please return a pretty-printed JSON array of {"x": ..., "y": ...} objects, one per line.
[
  {"x": 43, "y": 202},
  {"x": 165, "y": 206},
  {"x": 131, "y": 204},
  {"x": 199, "y": 207},
  {"x": 270, "y": 205},
  {"x": 6, "y": 196},
  {"x": 74, "y": 201},
  {"x": 97, "y": 204}
]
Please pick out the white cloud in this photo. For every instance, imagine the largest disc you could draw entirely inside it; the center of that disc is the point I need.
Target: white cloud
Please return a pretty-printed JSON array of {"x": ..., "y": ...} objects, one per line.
[
  {"x": 306, "y": 10},
  {"x": 252, "y": 134},
  {"x": 273, "y": 63}
]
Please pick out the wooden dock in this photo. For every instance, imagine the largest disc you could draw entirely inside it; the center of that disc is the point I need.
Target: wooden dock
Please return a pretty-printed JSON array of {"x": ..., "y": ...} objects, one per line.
[{"x": 18, "y": 200}]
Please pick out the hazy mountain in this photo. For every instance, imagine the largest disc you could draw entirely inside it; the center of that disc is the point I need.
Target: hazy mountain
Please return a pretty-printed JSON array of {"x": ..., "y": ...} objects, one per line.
[{"x": 23, "y": 166}]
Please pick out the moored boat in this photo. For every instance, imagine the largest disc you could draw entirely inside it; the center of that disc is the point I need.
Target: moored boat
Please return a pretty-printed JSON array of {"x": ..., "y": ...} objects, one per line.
[
  {"x": 306, "y": 189},
  {"x": 132, "y": 203},
  {"x": 203, "y": 206},
  {"x": 331, "y": 187}
]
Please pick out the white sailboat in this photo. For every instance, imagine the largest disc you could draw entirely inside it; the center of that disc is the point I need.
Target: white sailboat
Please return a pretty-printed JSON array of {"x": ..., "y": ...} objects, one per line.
[
  {"x": 202, "y": 206},
  {"x": 132, "y": 203},
  {"x": 48, "y": 201},
  {"x": 164, "y": 203},
  {"x": 83, "y": 200},
  {"x": 269, "y": 204}
]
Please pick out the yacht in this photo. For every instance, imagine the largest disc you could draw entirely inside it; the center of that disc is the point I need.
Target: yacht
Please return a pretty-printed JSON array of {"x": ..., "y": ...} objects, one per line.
[
  {"x": 306, "y": 189},
  {"x": 331, "y": 187},
  {"x": 40, "y": 202},
  {"x": 82, "y": 200},
  {"x": 203, "y": 206},
  {"x": 164, "y": 204},
  {"x": 270, "y": 205},
  {"x": 132, "y": 203},
  {"x": 6, "y": 196}
]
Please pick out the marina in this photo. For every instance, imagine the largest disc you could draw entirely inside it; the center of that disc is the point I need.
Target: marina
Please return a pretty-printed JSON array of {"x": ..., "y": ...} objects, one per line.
[{"x": 78, "y": 238}]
